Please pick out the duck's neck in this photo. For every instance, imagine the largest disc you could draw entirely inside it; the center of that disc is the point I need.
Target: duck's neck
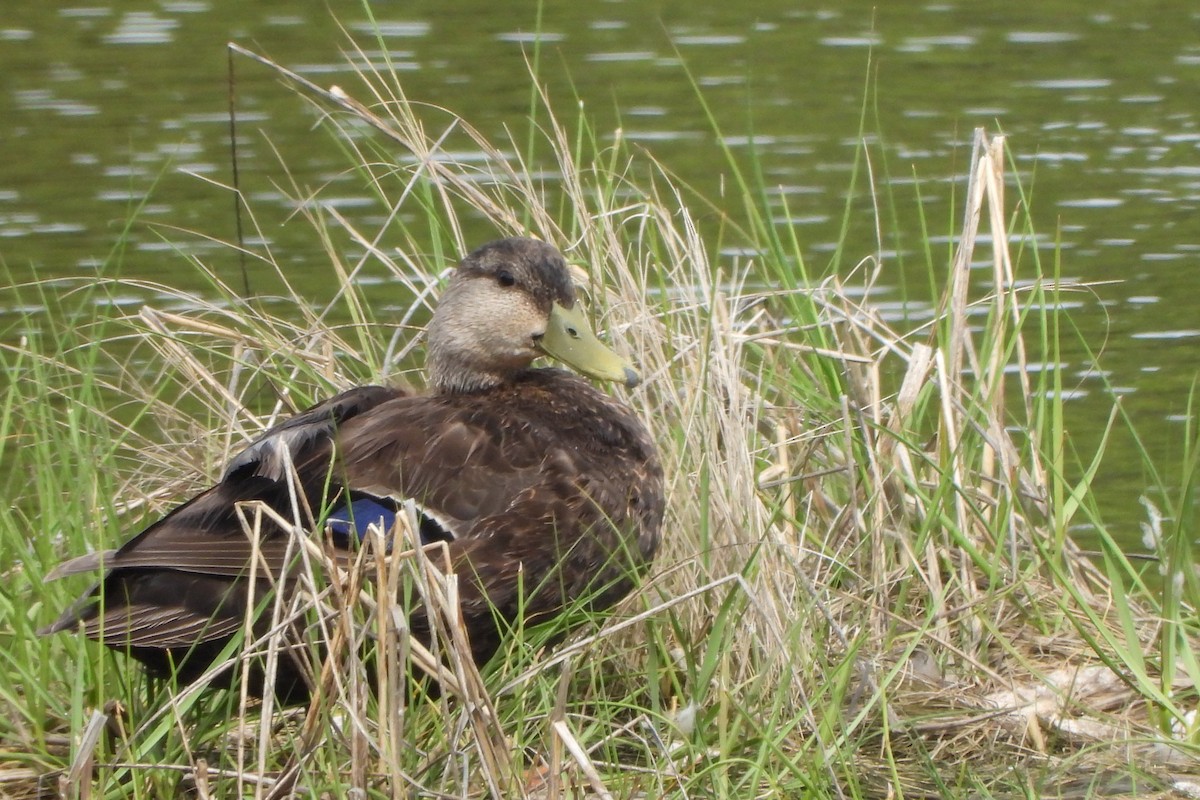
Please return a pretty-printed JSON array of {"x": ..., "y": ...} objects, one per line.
[
  {"x": 455, "y": 364},
  {"x": 448, "y": 377}
]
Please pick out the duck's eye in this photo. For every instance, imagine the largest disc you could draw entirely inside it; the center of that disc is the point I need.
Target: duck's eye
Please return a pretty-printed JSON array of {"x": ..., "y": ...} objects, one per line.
[{"x": 505, "y": 278}]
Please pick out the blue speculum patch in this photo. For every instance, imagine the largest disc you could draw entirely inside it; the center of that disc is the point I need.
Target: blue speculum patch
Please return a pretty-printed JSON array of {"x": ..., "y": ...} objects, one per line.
[{"x": 353, "y": 520}]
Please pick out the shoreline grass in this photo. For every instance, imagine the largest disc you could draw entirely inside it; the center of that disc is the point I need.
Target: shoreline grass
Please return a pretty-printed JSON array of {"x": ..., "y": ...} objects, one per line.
[{"x": 867, "y": 585}]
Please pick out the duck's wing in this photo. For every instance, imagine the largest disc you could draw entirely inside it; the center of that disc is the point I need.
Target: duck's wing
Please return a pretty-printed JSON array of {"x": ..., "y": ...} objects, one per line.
[
  {"x": 268, "y": 456},
  {"x": 457, "y": 463},
  {"x": 165, "y": 584},
  {"x": 89, "y": 562},
  {"x": 294, "y": 440},
  {"x": 286, "y": 469}
]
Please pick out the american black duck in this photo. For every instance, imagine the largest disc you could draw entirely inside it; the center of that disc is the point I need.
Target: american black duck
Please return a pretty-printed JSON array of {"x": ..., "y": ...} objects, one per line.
[{"x": 540, "y": 484}]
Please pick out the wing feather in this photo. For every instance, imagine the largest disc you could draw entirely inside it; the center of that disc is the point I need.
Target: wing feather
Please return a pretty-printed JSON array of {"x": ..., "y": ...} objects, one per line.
[
  {"x": 144, "y": 625},
  {"x": 205, "y": 536}
]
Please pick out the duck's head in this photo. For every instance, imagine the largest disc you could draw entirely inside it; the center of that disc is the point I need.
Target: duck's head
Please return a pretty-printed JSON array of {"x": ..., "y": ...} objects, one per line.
[{"x": 508, "y": 303}]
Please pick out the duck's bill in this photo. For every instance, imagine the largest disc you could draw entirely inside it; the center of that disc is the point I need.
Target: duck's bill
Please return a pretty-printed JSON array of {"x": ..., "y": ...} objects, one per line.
[{"x": 569, "y": 339}]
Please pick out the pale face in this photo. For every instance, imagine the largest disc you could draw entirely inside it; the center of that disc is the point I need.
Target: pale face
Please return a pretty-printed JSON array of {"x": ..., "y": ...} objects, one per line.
[
  {"x": 508, "y": 303},
  {"x": 485, "y": 327}
]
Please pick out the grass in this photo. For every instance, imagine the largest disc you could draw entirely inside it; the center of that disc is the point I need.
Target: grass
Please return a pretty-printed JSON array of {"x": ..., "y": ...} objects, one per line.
[{"x": 867, "y": 586}]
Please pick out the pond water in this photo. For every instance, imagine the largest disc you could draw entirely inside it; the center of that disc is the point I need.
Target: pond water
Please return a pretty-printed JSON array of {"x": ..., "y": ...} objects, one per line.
[{"x": 104, "y": 102}]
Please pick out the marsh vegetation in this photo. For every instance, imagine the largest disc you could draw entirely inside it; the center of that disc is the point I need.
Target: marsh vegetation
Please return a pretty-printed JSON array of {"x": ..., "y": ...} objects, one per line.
[{"x": 867, "y": 585}]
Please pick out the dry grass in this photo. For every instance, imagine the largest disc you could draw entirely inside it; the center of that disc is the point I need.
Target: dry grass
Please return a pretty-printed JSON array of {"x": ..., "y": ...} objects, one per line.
[{"x": 866, "y": 588}]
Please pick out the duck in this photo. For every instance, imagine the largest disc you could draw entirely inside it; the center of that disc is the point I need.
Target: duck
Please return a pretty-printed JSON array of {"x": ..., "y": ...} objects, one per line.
[{"x": 544, "y": 490}]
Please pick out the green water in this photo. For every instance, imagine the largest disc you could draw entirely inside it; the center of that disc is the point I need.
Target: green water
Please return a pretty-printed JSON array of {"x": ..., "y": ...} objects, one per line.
[{"x": 106, "y": 103}]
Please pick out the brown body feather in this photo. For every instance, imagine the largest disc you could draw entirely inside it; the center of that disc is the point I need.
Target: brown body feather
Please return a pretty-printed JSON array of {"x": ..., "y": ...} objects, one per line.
[{"x": 545, "y": 489}]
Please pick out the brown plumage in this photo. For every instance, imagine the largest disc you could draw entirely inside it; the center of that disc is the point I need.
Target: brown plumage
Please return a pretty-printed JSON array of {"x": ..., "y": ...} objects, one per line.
[{"x": 544, "y": 488}]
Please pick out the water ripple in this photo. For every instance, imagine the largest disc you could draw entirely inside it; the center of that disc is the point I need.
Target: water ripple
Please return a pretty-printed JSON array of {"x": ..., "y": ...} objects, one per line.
[
  {"x": 187, "y": 6},
  {"x": 866, "y": 40},
  {"x": 620, "y": 57},
  {"x": 1187, "y": 333},
  {"x": 1040, "y": 37},
  {"x": 1092, "y": 202},
  {"x": 530, "y": 37},
  {"x": 143, "y": 27},
  {"x": 710, "y": 40},
  {"x": 1071, "y": 83},
  {"x": 923, "y": 44},
  {"x": 45, "y": 100},
  {"x": 409, "y": 29},
  {"x": 85, "y": 12}
]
